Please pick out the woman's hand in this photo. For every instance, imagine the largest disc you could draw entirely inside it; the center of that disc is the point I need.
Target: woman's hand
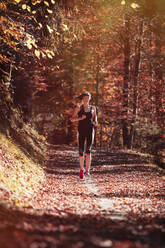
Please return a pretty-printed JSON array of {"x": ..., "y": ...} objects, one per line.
[
  {"x": 82, "y": 117},
  {"x": 95, "y": 123},
  {"x": 78, "y": 118}
]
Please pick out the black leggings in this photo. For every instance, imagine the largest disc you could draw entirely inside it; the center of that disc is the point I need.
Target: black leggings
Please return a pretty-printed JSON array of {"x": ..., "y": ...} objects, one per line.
[{"x": 88, "y": 137}]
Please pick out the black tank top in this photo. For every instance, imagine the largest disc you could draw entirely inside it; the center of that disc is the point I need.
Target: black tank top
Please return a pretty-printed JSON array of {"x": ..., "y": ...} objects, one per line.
[{"x": 87, "y": 123}]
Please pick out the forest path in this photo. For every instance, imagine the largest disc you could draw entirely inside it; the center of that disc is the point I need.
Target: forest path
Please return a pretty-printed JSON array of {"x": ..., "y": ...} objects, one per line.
[{"x": 122, "y": 205}]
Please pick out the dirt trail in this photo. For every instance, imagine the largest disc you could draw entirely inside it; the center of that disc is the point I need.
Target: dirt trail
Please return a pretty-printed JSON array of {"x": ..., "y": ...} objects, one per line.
[{"x": 122, "y": 205}]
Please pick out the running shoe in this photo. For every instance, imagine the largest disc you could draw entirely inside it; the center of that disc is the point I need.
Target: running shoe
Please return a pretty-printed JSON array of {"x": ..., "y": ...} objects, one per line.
[
  {"x": 87, "y": 173},
  {"x": 81, "y": 174}
]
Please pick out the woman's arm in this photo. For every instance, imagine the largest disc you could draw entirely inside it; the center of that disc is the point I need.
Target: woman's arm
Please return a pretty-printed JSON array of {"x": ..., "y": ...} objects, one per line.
[
  {"x": 95, "y": 122},
  {"x": 75, "y": 115}
]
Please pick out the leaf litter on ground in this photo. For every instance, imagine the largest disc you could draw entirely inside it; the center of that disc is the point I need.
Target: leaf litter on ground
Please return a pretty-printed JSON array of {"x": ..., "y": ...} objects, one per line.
[{"x": 121, "y": 205}]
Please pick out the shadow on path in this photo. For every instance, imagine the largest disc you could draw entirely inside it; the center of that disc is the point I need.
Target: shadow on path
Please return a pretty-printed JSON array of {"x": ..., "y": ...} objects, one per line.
[
  {"x": 46, "y": 230},
  {"x": 124, "y": 181},
  {"x": 68, "y": 156}
]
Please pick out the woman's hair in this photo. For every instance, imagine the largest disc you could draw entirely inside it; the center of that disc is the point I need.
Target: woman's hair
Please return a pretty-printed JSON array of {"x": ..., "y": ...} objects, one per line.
[{"x": 86, "y": 93}]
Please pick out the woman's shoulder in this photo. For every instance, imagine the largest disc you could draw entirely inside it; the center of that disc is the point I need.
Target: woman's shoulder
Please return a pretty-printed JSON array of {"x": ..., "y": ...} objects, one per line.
[{"x": 79, "y": 107}]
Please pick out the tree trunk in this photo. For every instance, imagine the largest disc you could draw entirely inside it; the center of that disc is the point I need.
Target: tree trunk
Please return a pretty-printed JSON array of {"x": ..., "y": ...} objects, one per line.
[
  {"x": 97, "y": 92},
  {"x": 135, "y": 80},
  {"x": 97, "y": 82},
  {"x": 159, "y": 91},
  {"x": 125, "y": 127},
  {"x": 151, "y": 93},
  {"x": 70, "y": 132},
  {"x": 101, "y": 134},
  {"x": 158, "y": 72},
  {"x": 6, "y": 99}
]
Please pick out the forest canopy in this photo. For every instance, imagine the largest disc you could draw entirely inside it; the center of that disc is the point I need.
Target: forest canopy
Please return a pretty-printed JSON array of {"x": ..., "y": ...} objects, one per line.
[{"x": 51, "y": 51}]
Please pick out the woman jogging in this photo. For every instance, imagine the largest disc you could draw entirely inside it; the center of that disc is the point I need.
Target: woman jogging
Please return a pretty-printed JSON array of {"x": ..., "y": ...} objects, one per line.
[{"x": 87, "y": 119}]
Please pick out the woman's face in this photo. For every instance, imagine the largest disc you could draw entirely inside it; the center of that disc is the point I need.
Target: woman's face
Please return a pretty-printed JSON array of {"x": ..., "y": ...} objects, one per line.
[{"x": 86, "y": 99}]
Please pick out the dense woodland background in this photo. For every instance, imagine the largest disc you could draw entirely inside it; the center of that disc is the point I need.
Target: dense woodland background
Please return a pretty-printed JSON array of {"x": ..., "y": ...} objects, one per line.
[{"x": 52, "y": 50}]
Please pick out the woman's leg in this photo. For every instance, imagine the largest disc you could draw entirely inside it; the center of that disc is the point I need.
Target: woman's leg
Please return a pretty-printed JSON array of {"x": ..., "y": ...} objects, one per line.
[
  {"x": 90, "y": 139},
  {"x": 81, "y": 160},
  {"x": 81, "y": 142},
  {"x": 88, "y": 162}
]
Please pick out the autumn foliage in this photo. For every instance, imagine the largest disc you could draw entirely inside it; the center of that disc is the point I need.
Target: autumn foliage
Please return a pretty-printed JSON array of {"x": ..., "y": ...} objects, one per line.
[{"x": 53, "y": 50}]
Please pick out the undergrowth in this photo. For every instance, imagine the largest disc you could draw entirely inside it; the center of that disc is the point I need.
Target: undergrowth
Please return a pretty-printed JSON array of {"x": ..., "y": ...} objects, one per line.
[{"x": 20, "y": 177}]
